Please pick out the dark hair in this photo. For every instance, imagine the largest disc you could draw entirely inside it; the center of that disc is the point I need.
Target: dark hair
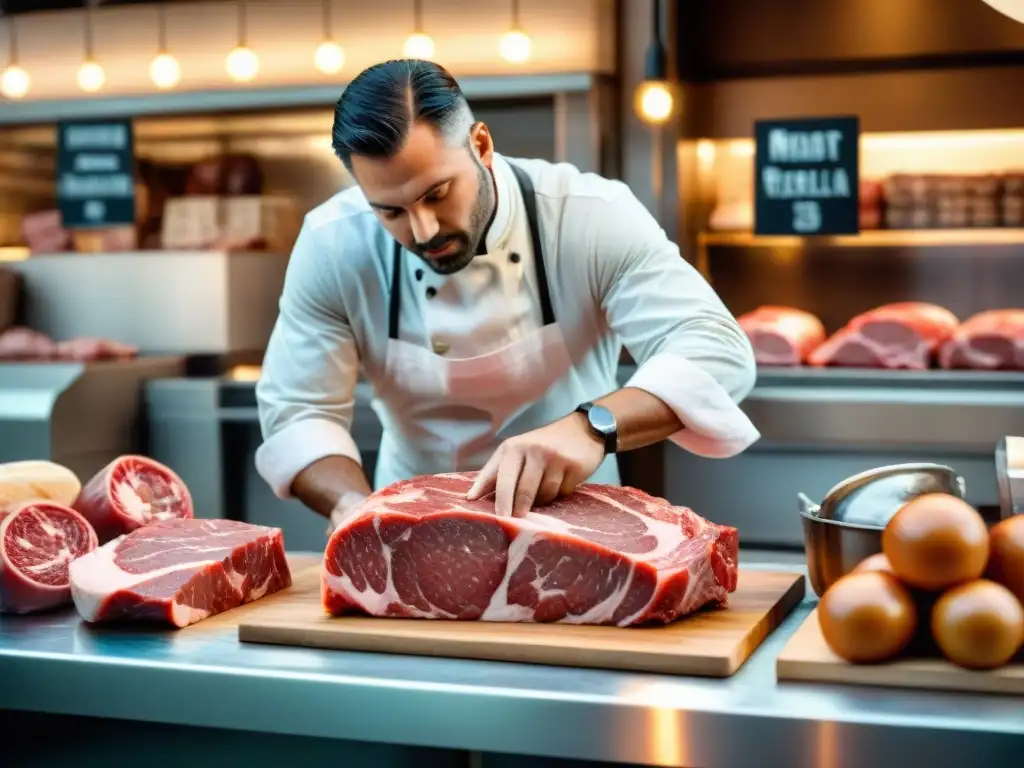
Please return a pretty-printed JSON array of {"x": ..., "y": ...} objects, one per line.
[{"x": 377, "y": 109}]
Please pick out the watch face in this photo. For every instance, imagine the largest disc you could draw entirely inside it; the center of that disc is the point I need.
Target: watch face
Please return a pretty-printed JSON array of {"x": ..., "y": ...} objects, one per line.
[{"x": 602, "y": 419}]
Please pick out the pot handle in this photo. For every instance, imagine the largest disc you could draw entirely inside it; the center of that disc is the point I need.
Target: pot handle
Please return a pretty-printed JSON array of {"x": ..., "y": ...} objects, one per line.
[{"x": 806, "y": 506}]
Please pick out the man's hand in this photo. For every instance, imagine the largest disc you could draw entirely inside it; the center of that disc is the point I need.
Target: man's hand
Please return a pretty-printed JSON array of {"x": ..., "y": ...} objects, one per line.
[
  {"x": 539, "y": 466},
  {"x": 347, "y": 504}
]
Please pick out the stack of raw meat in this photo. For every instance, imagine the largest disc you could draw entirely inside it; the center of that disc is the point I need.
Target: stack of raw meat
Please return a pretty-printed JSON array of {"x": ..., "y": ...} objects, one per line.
[
  {"x": 125, "y": 546},
  {"x": 24, "y": 344},
  {"x": 992, "y": 340},
  {"x": 905, "y": 335},
  {"x": 782, "y": 335},
  {"x": 602, "y": 555}
]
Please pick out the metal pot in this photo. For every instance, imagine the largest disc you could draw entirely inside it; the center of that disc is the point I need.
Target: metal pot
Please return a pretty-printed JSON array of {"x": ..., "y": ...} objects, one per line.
[
  {"x": 847, "y": 526},
  {"x": 1010, "y": 475}
]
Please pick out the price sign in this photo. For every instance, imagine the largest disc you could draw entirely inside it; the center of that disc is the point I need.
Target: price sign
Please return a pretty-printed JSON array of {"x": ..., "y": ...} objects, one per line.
[
  {"x": 95, "y": 173},
  {"x": 807, "y": 176}
]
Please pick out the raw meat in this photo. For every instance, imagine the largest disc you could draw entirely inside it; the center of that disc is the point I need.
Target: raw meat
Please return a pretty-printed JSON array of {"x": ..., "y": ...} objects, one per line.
[
  {"x": 603, "y": 555},
  {"x": 38, "y": 541},
  {"x": 132, "y": 491},
  {"x": 992, "y": 340},
  {"x": 25, "y": 344},
  {"x": 21, "y": 343},
  {"x": 22, "y": 481},
  {"x": 180, "y": 571},
  {"x": 782, "y": 335},
  {"x": 904, "y": 335}
]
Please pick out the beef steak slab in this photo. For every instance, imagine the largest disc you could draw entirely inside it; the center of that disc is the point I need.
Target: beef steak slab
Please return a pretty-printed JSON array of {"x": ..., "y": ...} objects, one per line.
[
  {"x": 179, "y": 571},
  {"x": 603, "y": 555}
]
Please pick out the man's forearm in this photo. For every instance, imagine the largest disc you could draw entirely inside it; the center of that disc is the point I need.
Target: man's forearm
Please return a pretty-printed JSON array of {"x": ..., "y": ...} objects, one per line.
[
  {"x": 642, "y": 418},
  {"x": 325, "y": 482}
]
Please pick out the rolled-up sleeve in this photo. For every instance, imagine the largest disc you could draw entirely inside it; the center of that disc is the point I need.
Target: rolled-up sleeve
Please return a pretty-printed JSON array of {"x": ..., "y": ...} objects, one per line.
[
  {"x": 691, "y": 352},
  {"x": 306, "y": 390}
]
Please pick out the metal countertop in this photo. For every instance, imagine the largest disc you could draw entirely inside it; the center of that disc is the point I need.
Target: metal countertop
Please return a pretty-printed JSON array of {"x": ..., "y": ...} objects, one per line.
[{"x": 54, "y": 663}]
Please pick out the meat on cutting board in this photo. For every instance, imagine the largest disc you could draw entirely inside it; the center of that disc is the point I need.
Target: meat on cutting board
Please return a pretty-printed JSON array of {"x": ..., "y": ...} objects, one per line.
[
  {"x": 782, "y": 336},
  {"x": 992, "y": 341},
  {"x": 902, "y": 335},
  {"x": 603, "y": 555},
  {"x": 179, "y": 571},
  {"x": 38, "y": 542},
  {"x": 132, "y": 491}
]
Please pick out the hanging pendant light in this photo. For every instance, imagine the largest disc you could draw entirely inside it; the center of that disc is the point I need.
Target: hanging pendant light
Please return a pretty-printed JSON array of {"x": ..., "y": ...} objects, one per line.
[
  {"x": 654, "y": 98},
  {"x": 91, "y": 76},
  {"x": 14, "y": 80},
  {"x": 418, "y": 45},
  {"x": 242, "y": 63},
  {"x": 516, "y": 45},
  {"x": 164, "y": 70},
  {"x": 329, "y": 57}
]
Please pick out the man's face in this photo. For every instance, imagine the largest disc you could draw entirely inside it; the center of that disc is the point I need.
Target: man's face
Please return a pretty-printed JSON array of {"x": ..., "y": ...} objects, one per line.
[{"x": 434, "y": 196}]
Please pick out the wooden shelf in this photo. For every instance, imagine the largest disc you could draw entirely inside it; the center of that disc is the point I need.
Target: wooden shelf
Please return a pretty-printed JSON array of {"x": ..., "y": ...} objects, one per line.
[{"x": 873, "y": 238}]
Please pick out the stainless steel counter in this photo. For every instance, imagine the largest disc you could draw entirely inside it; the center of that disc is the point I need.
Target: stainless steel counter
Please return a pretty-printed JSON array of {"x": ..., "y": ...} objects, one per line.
[{"x": 57, "y": 665}]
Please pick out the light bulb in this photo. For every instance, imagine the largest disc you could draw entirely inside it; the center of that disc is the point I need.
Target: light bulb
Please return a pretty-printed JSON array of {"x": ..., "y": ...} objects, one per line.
[
  {"x": 654, "y": 101},
  {"x": 419, "y": 46},
  {"x": 516, "y": 47},
  {"x": 165, "y": 71},
  {"x": 91, "y": 76},
  {"x": 14, "y": 82},
  {"x": 243, "y": 64},
  {"x": 329, "y": 57}
]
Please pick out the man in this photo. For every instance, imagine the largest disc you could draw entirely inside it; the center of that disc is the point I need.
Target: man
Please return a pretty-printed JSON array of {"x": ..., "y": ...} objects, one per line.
[{"x": 487, "y": 300}]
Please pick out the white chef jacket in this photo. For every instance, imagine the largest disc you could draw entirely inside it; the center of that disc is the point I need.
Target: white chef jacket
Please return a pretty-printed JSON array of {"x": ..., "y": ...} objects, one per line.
[{"x": 615, "y": 279}]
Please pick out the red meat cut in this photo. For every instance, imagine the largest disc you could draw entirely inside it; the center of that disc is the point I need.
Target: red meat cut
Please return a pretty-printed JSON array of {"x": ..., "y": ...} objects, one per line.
[
  {"x": 903, "y": 335},
  {"x": 602, "y": 555},
  {"x": 132, "y": 491},
  {"x": 992, "y": 340},
  {"x": 179, "y": 571},
  {"x": 38, "y": 541},
  {"x": 782, "y": 335}
]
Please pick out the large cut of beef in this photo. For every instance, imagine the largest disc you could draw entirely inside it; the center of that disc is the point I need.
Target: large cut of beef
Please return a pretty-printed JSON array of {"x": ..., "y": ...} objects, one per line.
[
  {"x": 179, "y": 571},
  {"x": 904, "y": 335},
  {"x": 782, "y": 335},
  {"x": 132, "y": 491},
  {"x": 992, "y": 341},
  {"x": 602, "y": 555},
  {"x": 38, "y": 542}
]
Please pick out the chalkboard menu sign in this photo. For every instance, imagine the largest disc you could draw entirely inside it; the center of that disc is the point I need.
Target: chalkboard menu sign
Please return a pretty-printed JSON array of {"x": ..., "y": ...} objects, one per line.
[
  {"x": 95, "y": 173},
  {"x": 807, "y": 176}
]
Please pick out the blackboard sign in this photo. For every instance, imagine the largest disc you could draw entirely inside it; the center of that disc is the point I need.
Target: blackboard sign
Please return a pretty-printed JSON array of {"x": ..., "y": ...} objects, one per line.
[
  {"x": 95, "y": 173},
  {"x": 807, "y": 176}
]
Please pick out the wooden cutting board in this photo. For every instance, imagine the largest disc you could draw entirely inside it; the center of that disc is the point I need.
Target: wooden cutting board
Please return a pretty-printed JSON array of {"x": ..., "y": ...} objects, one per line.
[
  {"x": 807, "y": 658},
  {"x": 713, "y": 643}
]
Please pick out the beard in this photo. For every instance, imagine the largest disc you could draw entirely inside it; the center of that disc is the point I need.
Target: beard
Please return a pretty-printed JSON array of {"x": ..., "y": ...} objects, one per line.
[{"x": 466, "y": 243}]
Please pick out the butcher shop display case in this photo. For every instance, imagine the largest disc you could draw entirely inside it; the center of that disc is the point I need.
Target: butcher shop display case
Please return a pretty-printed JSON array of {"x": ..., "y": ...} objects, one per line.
[{"x": 874, "y": 348}]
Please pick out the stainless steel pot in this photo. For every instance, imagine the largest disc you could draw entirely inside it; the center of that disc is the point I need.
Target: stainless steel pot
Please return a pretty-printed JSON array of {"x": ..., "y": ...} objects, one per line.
[
  {"x": 1010, "y": 475},
  {"x": 847, "y": 526}
]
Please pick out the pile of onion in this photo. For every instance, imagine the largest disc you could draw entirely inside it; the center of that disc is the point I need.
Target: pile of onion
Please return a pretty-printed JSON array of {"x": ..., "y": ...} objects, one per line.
[{"x": 942, "y": 578}]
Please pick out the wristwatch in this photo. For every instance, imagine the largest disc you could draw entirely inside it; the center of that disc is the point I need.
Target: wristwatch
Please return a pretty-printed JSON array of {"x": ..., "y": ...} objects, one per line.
[{"x": 602, "y": 424}]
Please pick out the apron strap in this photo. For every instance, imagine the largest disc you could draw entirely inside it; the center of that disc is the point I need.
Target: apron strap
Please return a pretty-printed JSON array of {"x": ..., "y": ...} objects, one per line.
[
  {"x": 396, "y": 292},
  {"x": 530, "y": 202}
]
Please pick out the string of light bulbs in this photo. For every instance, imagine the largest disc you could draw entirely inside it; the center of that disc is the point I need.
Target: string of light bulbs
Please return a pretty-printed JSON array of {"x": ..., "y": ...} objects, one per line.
[{"x": 242, "y": 63}]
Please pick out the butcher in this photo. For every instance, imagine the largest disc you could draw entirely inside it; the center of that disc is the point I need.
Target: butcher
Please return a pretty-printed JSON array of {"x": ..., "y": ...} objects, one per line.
[{"x": 486, "y": 299}]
